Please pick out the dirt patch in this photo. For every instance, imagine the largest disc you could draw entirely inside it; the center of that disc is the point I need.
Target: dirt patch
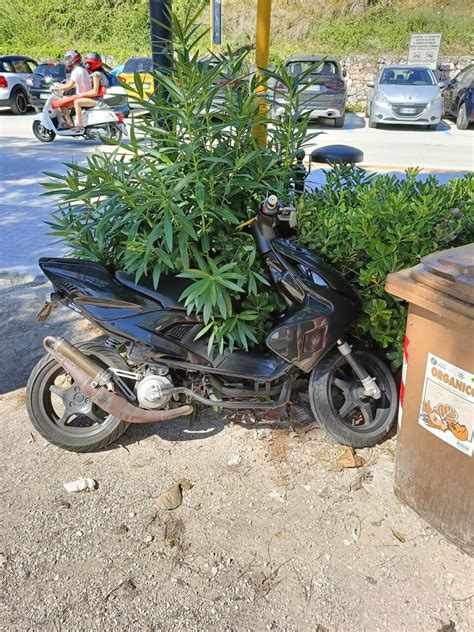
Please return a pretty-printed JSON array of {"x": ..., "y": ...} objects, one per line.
[{"x": 272, "y": 535}]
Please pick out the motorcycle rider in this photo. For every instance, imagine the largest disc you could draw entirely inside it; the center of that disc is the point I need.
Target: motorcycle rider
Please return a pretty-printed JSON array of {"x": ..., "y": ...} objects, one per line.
[
  {"x": 99, "y": 80},
  {"x": 79, "y": 80}
]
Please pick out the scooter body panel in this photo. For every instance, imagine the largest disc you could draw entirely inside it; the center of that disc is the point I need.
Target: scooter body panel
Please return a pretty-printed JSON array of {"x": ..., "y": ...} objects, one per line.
[
  {"x": 322, "y": 305},
  {"x": 165, "y": 334}
]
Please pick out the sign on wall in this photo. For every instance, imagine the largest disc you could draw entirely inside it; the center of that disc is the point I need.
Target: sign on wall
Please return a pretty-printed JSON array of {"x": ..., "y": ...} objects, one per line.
[
  {"x": 216, "y": 21},
  {"x": 424, "y": 49}
]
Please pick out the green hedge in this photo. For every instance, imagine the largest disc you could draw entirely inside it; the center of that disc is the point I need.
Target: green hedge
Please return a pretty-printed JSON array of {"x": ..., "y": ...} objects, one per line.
[{"x": 371, "y": 225}]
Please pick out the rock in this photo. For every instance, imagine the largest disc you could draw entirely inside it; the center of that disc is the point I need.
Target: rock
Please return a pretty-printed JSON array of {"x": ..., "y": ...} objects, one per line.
[
  {"x": 234, "y": 460},
  {"x": 81, "y": 485},
  {"x": 120, "y": 529},
  {"x": 263, "y": 433},
  {"x": 277, "y": 496},
  {"x": 148, "y": 538}
]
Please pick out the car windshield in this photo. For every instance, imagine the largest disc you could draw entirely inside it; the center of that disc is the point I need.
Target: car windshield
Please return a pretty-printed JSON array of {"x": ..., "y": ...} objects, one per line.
[
  {"x": 140, "y": 64},
  {"x": 326, "y": 68},
  {"x": 407, "y": 77},
  {"x": 51, "y": 70}
]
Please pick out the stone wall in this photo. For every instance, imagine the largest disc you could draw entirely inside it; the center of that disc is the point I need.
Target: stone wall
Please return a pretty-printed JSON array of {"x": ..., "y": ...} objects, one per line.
[{"x": 362, "y": 68}]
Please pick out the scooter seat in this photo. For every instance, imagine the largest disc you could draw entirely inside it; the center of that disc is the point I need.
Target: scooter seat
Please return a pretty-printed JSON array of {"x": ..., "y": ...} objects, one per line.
[{"x": 167, "y": 293}]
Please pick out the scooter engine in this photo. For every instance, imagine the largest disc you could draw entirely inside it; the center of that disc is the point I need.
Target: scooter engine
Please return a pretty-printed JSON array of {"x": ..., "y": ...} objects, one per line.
[{"x": 150, "y": 391}]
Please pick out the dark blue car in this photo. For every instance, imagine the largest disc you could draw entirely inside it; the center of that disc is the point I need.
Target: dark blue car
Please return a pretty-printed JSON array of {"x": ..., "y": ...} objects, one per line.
[{"x": 459, "y": 97}]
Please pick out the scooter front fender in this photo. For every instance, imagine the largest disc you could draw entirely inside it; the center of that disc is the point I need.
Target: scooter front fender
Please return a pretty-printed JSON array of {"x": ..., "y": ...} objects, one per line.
[{"x": 45, "y": 121}]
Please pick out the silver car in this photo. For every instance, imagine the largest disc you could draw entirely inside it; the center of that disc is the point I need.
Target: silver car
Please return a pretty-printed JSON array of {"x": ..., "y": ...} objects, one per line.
[
  {"x": 325, "y": 93},
  {"x": 405, "y": 95}
]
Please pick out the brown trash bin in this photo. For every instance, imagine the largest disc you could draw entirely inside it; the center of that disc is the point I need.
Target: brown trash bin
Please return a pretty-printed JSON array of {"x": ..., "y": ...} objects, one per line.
[{"x": 434, "y": 465}]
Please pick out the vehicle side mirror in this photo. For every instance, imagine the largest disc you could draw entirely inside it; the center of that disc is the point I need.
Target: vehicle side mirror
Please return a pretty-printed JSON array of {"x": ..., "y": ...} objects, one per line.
[
  {"x": 370, "y": 83},
  {"x": 442, "y": 85},
  {"x": 337, "y": 155}
]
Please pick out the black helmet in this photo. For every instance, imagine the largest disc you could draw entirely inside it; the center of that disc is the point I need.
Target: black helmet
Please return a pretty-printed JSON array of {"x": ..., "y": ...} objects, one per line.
[
  {"x": 92, "y": 61},
  {"x": 71, "y": 58}
]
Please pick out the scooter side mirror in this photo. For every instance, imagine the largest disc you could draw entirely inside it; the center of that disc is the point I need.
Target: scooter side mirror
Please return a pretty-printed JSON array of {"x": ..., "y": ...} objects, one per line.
[{"x": 337, "y": 155}]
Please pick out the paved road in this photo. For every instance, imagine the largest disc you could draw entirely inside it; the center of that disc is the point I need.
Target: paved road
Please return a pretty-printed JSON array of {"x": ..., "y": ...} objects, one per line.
[
  {"x": 23, "y": 160},
  {"x": 393, "y": 147}
]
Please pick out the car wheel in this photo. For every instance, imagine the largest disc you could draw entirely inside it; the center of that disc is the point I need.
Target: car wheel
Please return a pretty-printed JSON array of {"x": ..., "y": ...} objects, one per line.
[
  {"x": 19, "y": 102},
  {"x": 462, "y": 121},
  {"x": 339, "y": 121}
]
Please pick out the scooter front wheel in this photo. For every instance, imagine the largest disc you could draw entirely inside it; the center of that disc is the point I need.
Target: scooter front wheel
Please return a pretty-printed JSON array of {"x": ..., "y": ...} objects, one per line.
[
  {"x": 42, "y": 133},
  {"x": 339, "y": 405}
]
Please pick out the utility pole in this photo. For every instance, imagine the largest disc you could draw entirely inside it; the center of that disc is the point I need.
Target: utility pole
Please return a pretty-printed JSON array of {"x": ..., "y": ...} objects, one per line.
[{"x": 161, "y": 33}]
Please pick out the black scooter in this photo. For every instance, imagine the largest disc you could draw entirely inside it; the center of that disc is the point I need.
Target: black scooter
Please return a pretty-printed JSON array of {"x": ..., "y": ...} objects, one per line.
[{"x": 152, "y": 368}]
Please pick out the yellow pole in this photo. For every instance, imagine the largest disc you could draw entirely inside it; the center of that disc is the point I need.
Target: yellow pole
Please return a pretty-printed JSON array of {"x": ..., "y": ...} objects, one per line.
[{"x": 262, "y": 38}]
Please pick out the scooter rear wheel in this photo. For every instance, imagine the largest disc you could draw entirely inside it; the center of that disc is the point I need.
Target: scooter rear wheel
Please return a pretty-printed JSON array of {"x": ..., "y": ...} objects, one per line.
[
  {"x": 59, "y": 411},
  {"x": 42, "y": 133},
  {"x": 337, "y": 402},
  {"x": 113, "y": 132}
]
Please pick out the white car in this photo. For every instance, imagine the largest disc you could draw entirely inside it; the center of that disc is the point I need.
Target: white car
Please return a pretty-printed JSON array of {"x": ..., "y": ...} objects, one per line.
[
  {"x": 405, "y": 95},
  {"x": 14, "y": 71}
]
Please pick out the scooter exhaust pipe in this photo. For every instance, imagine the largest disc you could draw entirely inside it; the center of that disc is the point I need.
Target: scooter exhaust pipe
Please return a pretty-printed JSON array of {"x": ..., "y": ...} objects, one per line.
[{"x": 89, "y": 375}]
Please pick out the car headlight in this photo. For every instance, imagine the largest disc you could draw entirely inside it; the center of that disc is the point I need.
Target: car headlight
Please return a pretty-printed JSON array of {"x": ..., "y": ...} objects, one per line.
[
  {"x": 437, "y": 100},
  {"x": 381, "y": 98}
]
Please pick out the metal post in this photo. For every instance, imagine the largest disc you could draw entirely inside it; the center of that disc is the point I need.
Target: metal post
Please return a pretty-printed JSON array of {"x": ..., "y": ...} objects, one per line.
[
  {"x": 262, "y": 38},
  {"x": 161, "y": 33},
  {"x": 211, "y": 26}
]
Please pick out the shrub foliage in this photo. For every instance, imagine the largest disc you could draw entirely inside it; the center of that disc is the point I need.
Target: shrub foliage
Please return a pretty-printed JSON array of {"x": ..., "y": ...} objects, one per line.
[
  {"x": 173, "y": 199},
  {"x": 371, "y": 225}
]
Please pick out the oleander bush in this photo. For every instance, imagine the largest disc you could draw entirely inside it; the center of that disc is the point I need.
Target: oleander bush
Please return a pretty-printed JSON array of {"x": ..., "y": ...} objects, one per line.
[{"x": 172, "y": 201}]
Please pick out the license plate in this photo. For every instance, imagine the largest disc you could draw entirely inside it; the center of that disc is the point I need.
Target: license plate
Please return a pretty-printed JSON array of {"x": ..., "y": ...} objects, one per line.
[
  {"x": 44, "y": 95},
  {"x": 407, "y": 110}
]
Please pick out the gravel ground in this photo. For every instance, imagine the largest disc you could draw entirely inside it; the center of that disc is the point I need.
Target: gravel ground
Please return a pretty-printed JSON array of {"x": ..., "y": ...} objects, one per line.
[{"x": 273, "y": 534}]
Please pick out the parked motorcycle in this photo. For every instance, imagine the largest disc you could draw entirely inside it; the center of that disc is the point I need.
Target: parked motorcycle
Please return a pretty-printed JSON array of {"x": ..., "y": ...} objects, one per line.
[
  {"x": 151, "y": 367},
  {"x": 100, "y": 122}
]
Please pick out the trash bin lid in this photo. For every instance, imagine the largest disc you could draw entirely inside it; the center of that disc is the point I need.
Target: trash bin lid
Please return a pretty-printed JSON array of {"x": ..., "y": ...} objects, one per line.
[{"x": 449, "y": 271}]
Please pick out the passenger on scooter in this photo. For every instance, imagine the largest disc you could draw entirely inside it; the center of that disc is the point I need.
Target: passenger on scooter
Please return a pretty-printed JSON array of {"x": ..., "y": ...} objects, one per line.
[
  {"x": 100, "y": 83},
  {"x": 79, "y": 80}
]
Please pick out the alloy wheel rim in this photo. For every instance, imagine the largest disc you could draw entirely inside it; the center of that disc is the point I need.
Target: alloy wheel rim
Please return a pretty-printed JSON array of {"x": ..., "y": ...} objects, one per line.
[{"x": 353, "y": 410}]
